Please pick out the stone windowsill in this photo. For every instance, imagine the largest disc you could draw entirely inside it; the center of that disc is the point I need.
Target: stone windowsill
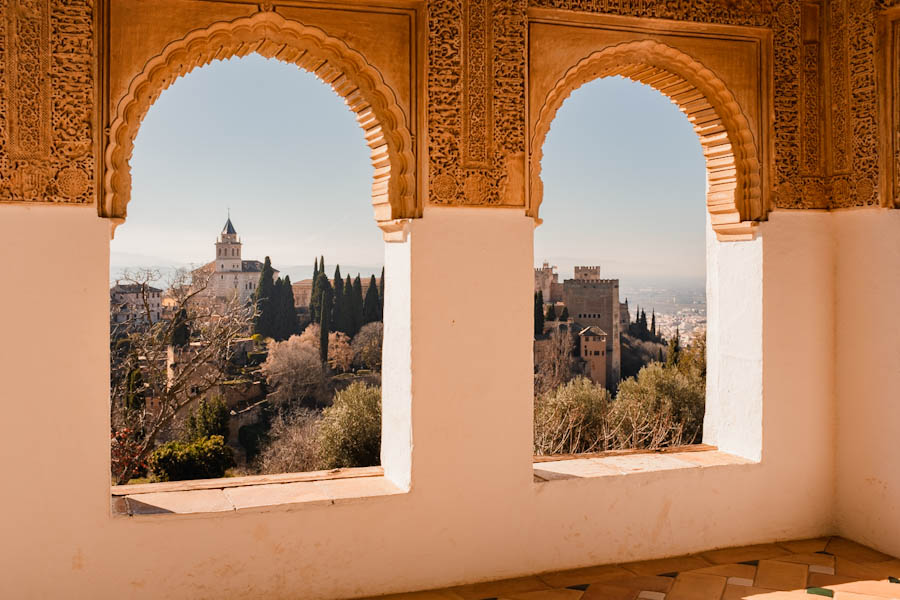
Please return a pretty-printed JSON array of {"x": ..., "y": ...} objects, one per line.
[
  {"x": 613, "y": 464},
  {"x": 259, "y": 493},
  {"x": 322, "y": 488}
]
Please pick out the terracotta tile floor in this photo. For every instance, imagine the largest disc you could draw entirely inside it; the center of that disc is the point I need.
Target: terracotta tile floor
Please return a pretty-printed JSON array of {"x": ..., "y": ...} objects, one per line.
[{"x": 819, "y": 568}]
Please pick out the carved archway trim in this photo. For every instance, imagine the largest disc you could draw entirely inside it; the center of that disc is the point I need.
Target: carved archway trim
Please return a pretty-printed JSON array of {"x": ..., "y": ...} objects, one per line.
[
  {"x": 271, "y": 35},
  {"x": 734, "y": 191}
]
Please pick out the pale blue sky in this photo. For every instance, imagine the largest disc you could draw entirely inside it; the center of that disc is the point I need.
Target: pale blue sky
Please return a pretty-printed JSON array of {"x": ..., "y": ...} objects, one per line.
[{"x": 623, "y": 176}]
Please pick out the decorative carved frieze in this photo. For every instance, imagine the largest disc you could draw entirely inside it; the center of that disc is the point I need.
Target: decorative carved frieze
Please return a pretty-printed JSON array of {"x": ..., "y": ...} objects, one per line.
[
  {"x": 476, "y": 102},
  {"x": 804, "y": 177},
  {"x": 47, "y": 109}
]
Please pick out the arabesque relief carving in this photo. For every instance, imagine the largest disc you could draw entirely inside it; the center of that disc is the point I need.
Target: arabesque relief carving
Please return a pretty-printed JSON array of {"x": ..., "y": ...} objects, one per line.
[
  {"x": 272, "y": 36},
  {"x": 826, "y": 115},
  {"x": 734, "y": 197},
  {"x": 476, "y": 102},
  {"x": 804, "y": 177},
  {"x": 47, "y": 104}
]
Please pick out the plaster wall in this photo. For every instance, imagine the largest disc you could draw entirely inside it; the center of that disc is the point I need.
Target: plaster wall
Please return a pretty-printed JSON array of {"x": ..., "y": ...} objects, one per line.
[
  {"x": 458, "y": 426},
  {"x": 867, "y": 371}
]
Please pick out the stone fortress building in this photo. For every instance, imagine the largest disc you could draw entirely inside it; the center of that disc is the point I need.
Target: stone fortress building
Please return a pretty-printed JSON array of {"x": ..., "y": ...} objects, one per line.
[
  {"x": 229, "y": 275},
  {"x": 593, "y": 303}
]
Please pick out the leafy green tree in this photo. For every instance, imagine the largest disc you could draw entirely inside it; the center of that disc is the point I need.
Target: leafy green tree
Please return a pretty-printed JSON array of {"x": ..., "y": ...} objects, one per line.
[
  {"x": 564, "y": 315},
  {"x": 264, "y": 298},
  {"x": 181, "y": 331},
  {"x": 208, "y": 419},
  {"x": 551, "y": 312},
  {"x": 538, "y": 313},
  {"x": 357, "y": 306},
  {"x": 371, "y": 304},
  {"x": 206, "y": 458},
  {"x": 350, "y": 429}
]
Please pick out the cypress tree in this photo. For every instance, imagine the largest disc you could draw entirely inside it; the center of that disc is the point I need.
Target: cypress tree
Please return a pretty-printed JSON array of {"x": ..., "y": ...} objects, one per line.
[
  {"x": 538, "y": 313},
  {"x": 348, "y": 305},
  {"x": 551, "y": 312},
  {"x": 371, "y": 304},
  {"x": 564, "y": 315},
  {"x": 291, "y": 325},
  {"x": 181, "y": 332},
  {"x": 653, "y": 326},
  {"x": 315, "y": 270},
  {"x": 339, "y": 312},
  {"x": 674, "y": 350},
  {"x": 357, "y": 305},
  {"x": 264, "y": 298},
  {"x": 324, "y": 328},
  {"x": 277, "y": 310}
]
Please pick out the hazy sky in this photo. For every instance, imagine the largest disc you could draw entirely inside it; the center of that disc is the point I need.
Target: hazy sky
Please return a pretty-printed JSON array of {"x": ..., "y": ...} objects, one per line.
[{"x": 623, "y": 176}]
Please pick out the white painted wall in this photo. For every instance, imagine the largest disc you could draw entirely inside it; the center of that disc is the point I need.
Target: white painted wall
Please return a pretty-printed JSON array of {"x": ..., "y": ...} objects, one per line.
[
  {"x": 867, "y": 371},
  {"x": 459, "y": 428}
]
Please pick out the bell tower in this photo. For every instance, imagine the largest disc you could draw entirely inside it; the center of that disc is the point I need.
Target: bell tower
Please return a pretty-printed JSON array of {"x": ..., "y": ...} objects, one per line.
[{"x": 228, "y": 249}]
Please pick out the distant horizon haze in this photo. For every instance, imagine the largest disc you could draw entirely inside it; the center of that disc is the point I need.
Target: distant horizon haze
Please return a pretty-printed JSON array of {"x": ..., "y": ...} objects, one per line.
[{"x": 623, "y": 173}]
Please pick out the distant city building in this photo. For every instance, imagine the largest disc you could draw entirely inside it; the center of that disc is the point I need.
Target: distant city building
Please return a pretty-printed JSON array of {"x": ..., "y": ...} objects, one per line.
[
  {"x": 592, "y": 345},
  {"x": 546, "y": 281},
  {"x": 229, "y": 275},
  {"x": 592, "y": 302},
  {"x": 134, "y": 303},
  {"x": 303, "y": 290}
]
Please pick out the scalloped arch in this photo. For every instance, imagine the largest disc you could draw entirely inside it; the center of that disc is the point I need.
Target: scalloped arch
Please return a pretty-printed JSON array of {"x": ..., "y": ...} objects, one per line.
[
  {"x": 734, "y": 191},
  {"x": 271, "y": 35}
]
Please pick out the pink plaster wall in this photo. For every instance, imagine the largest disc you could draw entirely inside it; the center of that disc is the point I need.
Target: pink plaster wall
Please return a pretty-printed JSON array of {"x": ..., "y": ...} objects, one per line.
[
  {"x": 867, "y": 370},
  {"x": 473, "y": 511}
]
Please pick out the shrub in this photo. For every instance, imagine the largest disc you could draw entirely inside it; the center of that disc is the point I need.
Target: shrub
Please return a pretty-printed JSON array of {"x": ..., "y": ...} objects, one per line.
[
  {"x": 660, "y": 407},
  {"x": 350, "y": 430},
  {"x": 367, "y": 346},
  {"x": 291, "y": 446},
  {"x": 206, "y": 458},
  {"x": 293, "y": 371},
  {"x": 208, "y": 419},
  {"x": 251, "y": 438},
  {"x": 572, "y": 419}
]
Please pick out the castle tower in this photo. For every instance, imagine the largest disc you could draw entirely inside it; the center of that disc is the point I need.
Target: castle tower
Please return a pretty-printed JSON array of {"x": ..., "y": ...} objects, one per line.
[{"x": 228, "y": 250}]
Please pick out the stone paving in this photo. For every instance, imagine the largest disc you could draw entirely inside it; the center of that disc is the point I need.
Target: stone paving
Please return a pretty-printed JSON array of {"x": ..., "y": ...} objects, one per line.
[{"x": 830, "y": 567}]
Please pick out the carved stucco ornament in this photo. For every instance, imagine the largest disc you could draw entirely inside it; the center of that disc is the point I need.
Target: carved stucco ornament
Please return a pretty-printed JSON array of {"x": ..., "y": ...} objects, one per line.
[
  {"x": 734, "y": 197},
  {"x": 273, "y": 36}
]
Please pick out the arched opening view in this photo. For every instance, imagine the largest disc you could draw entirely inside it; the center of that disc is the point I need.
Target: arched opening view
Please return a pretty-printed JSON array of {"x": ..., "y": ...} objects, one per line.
[
  {"x": 247, "y": 285},
  {"x": 620, "y": 275}
]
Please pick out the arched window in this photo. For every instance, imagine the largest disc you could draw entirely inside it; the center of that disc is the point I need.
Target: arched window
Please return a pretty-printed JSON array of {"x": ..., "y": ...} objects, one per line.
[
  {"x": 624, "y": 185},
  {"x": 220, "y": 149}
]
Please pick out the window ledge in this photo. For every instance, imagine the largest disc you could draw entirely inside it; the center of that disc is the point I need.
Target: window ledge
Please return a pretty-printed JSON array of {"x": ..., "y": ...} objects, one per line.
[
  {"x": 262, "y": 493},
  {"x": 614, "y": 464}
]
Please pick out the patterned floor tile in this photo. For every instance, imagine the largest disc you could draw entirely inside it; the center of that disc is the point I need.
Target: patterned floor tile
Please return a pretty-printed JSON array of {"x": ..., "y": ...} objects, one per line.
[
  {"x": 602, "y": 591},
  {"x": 744, "y": 554},
  {"x": 666, "y": 565},
  {"x": 855, "y": 552},
  {"x": 696, "y": 586},
  {"x": 803, "y": 570},
  {"x": 780, "y": 575},
  {"x": 731, "y": 570},
  {"x": 586, "y": 575},
  {"x": 806, "y": 546}
]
